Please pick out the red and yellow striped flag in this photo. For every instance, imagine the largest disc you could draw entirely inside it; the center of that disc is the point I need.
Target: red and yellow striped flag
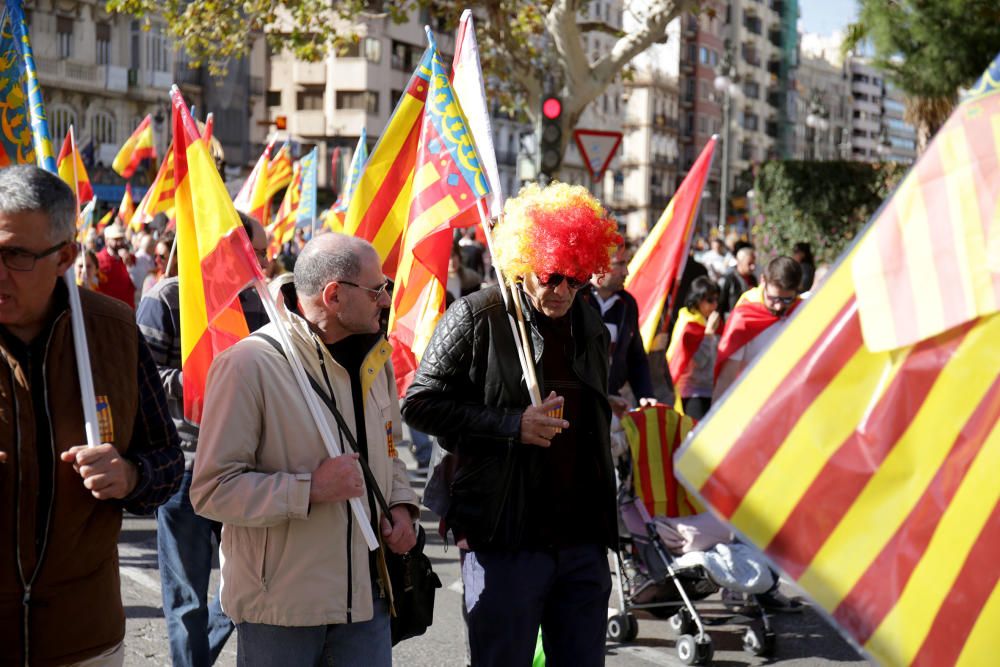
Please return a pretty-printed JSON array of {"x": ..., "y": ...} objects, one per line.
[
  {"x": 379, "y": 208},
  {"x": 868, "y": 475},
  {"x": 654, "y": 270},
  {"x": 283, "y": 229},
  {"x": 252, "y": 198},
  {"x": 138, "y": 147},
  {"x": 214, "y": 258},
  {"x": 448, "y": 182},
  {"x": 71, "y": 169},
  {"x": 279, "y": 171},
  {"x": 654, "y": 434},
  {"x": 126, "y": 210},
  {"x": 159, "y": 198}
]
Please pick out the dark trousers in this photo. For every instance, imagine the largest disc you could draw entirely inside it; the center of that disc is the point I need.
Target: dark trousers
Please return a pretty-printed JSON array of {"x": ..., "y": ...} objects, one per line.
[{"x": 510, "y": 594}]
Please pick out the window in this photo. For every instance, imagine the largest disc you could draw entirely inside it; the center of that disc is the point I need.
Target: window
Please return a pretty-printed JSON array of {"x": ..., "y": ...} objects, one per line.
[
  {"x": 350, "y": 50},
  {"x": 64, "y": 33},
  {"x": 102, "y": 128},
  {"x": 310, "y": 99},
  {"x": 750, "y": 121},
  {"x": 703, "y": 55},
  {"x": 751, "y": 89},
  {"x": 714, "y": 58},
  {"x": 373, "y": 50},
  {"x": 157, "y": 49},
  {"x": 394, "y": 97},
  {"x": 60, "y": 118},
  {"x": 103, "y": 40},
  {"x": 274, "y": 98},
  {"x": 405, "y": 56},
  {"x": 366, "y": 100}
]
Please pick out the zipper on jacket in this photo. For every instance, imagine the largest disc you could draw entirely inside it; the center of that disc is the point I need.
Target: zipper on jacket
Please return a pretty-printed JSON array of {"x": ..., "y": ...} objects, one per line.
[
  {"x": 26, "y": 597},
  {"x": 52, "y": 446},
  {"x": 263, "y": 564},
  {"x": 350, "y": 576}
]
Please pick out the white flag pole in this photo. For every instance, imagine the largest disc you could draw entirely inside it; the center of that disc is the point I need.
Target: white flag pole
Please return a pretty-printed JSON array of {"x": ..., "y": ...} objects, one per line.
[
  {"x": 312, "y": 402},
  {"x": 80, "y": 347}
]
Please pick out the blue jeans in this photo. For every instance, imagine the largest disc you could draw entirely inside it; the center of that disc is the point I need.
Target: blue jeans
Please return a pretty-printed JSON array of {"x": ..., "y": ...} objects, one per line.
[
  {"x": 368, "y": 643},
  {"x": 508, "y": 595},
  {"x": 197, "y": 630},
  {"x": 423, "y": 446}
]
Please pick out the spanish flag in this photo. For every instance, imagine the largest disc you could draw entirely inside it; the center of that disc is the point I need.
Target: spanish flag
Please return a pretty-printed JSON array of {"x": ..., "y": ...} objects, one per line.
[
  {"x": 654, "y": 270},
  {"x": 214, "y": 257},
  {"x": 448, "y": 181},
  {"x": 71, "y": 169},
  {"x": 138, "y": 147},
  {"x": 159, "y": 198},
  {"x": 863, "y": 460},
  {"x": 126, "y": 210},
  {"x": 689, "y": 332},
  {"x": 379, "y": 207},
  {"x": 749, "y": 319}
]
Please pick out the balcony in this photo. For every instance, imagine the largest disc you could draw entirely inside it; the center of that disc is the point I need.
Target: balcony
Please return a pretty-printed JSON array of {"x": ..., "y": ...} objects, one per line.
[
  {"x": 752, "y": 24},
  {"x": 309, "y": 123},
  {"x": 309, "y": 73},
  {"x": 691, "y": 27},
  {"x": 187, "y": 76},
  {"x": 750, "y": 56}
]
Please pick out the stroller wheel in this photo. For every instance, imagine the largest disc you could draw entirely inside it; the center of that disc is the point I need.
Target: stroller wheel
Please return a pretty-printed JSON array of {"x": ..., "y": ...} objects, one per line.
[
  {"x": 757, "y": 641},
  {"x": 633, "y": 628},
  {"x": 694, "y": 651},
  {"x": 622, "y": 628},
  {"x": 681, "y": 622}
]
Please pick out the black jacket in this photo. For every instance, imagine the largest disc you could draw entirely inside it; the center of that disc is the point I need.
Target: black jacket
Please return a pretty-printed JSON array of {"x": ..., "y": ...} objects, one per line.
[
  {"x": 469, "y": 392},
  {"x": 628, "y": 359}
]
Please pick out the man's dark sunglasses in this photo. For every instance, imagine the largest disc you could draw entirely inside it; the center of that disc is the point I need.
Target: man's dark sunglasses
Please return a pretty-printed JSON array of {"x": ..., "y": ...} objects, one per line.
[
  {"x": 783, "y": 300},
  {"x": 19, "y": 259},
  {"x": 556, "y": 279}
]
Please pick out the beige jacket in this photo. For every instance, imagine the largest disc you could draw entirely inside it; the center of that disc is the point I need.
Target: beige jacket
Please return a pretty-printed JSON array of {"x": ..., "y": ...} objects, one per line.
[{"x": 284, "y": 562}]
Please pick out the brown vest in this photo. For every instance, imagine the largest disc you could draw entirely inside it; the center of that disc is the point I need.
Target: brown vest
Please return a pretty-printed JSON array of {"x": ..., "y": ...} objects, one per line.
[{"x": 73, "y": 610}]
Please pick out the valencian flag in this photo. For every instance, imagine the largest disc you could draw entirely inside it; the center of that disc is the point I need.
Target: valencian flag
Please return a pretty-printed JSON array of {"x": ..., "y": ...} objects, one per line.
[
  {"x": 379, "y": 208},
  {"x": 252, "y": 198},
  {"x": 283, "y": 229},
  {"x": 138, "y": 147},
  {"x": 448, "y": 181},
  {"x": 654, "y": 270},
  {"x": 307, "y": 190},
  {"x": 71, "y": 169},
  {"x": 24, "y": 129},
  {"x": 654, "y": 433},
  {"x": 864, "y": 461},
  {"x": 338, "y": 213},
  {"x": 214, "y": 257},
  {"x": 159, "y": 198}
]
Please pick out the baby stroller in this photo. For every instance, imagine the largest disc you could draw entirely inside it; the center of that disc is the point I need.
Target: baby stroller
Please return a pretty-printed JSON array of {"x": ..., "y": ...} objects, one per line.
[{"x": 649, "y": 576}]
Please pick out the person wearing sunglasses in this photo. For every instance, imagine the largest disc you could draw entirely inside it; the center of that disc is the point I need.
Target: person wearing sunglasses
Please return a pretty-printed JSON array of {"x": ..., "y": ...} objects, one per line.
[
  {"x": 532, "y": 501},
  {"x": 759, "y": 317},
  {"x": 62, "y": 501}
]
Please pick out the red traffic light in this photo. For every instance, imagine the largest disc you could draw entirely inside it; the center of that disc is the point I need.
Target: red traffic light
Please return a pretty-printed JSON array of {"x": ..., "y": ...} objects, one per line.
[
  {"x": 552, "y": 108},
  {"x": 281, "y": 122}
]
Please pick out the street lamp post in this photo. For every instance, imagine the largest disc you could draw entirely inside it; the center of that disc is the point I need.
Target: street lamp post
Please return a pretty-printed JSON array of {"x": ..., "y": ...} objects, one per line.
[{"x": 727, "y": 83}]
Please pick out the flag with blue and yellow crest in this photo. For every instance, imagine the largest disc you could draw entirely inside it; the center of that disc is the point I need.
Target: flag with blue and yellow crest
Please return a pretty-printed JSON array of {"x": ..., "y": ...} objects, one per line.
[{"x": 24, "y": 129}]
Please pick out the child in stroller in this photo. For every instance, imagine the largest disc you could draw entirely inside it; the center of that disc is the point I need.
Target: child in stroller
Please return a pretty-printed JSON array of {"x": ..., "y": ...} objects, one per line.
[{"x": 670, "y": 555}]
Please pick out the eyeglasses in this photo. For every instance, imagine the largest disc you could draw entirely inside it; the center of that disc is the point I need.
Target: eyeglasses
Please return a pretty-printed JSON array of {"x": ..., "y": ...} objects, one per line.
[
  {"x": 783, "y": 300},
  {"x": 556, "y": 279},
  {"x": 375, "y": 294},
  {"x": 19, "y": 259}
]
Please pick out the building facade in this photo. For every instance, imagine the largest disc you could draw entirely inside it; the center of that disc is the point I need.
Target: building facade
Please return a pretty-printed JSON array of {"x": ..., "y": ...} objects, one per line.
[
  {"x": 102, "y": 74},
  {"x": 825, "y": 111}
]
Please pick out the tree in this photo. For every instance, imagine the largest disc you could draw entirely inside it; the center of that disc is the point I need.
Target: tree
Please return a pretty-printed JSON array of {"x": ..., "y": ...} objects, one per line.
[
  {"x": 526, "y": 45},
  {"x": 930, "y": 49}
]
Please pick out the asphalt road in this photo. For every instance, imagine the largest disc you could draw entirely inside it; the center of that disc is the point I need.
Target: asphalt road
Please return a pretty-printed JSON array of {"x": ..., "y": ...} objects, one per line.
[{"x": 803, "y": 639}]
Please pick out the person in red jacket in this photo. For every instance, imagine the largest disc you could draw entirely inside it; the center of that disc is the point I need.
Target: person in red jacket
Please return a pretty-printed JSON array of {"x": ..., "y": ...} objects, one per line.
[{"x": 114, "y": 278}]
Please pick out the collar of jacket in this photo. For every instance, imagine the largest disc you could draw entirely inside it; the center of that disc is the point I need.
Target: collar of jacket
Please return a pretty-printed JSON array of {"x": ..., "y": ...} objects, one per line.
[{"x": 307, "y": 341}]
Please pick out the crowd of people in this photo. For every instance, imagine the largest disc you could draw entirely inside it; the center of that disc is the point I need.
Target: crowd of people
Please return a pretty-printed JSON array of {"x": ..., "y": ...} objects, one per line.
[{"x": 530, "y": 485}]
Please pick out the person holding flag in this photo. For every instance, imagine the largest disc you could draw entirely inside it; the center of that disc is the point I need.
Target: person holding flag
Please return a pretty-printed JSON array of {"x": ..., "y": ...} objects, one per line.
[
  {"x": 532, "y": 504},
  {"x": 60, "y": 595},
  {"x": 691, "y": 354}
]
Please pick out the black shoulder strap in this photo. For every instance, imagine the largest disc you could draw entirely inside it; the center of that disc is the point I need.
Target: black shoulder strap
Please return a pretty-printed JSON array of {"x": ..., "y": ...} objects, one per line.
[{"x": 344, "y": 430}]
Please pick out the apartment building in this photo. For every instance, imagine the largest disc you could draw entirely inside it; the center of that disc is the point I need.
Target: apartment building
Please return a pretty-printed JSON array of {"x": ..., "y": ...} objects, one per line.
[
  {"x": 824, "y": 111},
  {"x": 102, "y": 74},
  {"x": 902, "y": 137},
  {"x": 650, "y": 147}
]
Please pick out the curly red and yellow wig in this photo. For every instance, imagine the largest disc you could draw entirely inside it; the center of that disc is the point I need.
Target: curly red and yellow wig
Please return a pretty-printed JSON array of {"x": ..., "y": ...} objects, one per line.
[{"x": 560, "y": 228}]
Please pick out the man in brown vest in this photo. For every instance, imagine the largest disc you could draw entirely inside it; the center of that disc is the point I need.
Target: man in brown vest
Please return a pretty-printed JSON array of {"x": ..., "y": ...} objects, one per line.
[{"x": 61, "y": 502}]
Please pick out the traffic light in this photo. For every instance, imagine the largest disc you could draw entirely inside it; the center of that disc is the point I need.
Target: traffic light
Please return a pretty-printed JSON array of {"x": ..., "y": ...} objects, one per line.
[
  {"x": 550, "y": 146},
  {"x": 281, "y": 122}
]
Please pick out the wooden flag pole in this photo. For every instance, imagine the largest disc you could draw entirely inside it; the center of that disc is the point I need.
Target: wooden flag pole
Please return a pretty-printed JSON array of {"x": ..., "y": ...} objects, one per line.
[{"x": 312, "y": 401}]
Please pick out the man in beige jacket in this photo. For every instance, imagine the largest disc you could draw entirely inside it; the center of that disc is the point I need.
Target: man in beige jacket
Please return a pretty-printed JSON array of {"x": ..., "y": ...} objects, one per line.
[{"x": 297, "y": 577}]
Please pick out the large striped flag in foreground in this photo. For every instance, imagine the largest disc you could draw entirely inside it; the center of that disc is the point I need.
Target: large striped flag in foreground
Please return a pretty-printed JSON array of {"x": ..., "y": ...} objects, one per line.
[
  {"x": 868, "y": 475},
  {"x": 24, "y": 133},
  {"x": 654, "y": 270},
  {"x": 448, "y": 181},
  {"x": 214, "y": 257},
  {"x": 379, "y": 207}
]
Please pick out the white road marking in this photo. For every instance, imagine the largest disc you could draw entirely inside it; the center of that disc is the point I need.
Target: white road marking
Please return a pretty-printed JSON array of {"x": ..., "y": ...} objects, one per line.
[{"x": 648, "y": 654}]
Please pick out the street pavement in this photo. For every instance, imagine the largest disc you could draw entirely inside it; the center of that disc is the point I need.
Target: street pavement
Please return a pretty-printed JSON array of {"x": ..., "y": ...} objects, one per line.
[{"x": 804, "y": 639}]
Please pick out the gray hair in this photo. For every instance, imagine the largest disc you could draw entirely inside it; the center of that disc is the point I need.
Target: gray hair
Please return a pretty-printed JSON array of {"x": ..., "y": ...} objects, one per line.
[
  {"x": 26, "y": 188},
  {"x": 327, "y": 258}
]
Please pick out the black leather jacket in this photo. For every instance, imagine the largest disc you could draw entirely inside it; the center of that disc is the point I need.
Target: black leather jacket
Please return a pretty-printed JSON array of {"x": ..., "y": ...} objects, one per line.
[{"x": 469, "y": 392}]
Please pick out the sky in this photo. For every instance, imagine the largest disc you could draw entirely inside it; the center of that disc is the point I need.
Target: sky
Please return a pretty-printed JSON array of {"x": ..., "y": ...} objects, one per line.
[{"x": 826, "y": 16}]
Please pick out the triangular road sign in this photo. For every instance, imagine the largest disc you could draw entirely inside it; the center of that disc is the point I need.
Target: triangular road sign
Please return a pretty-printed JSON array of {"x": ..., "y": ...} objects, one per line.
[{"x": 597, "y": 147}]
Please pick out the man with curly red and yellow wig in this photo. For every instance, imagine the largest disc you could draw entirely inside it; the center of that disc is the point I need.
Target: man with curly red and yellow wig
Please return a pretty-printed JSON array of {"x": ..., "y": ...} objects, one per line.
[{"x": 532, "y": 499}]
